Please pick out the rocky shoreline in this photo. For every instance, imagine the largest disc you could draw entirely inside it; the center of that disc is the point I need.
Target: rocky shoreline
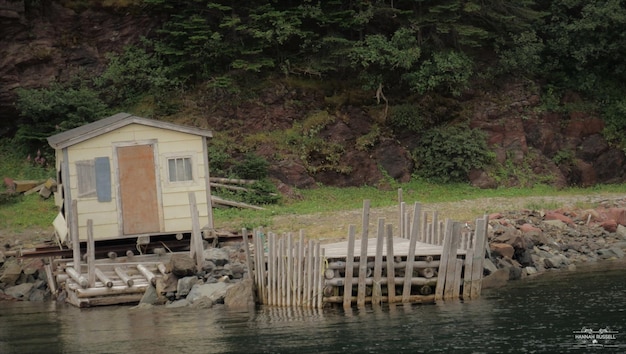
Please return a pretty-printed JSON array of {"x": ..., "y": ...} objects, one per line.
[
  {"x": 530, "y": 242},
  {"x": 521, "y": 243}
]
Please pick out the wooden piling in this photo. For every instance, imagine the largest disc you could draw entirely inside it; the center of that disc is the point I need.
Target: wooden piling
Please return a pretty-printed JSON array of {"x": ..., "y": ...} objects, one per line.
[
  {"x": 196, "y": 246},
  {"x": 363, "y": 255},
  {"x": 391, "y": 286},
  {"x": 449, "y": 286},
  {"x": 378, "y": 263},
  {"x": 124, "y": 276},
  {"x": 410, "y": 258},
  {"x": 91, "y": 255},
  {"x": 347, "y": 289}
]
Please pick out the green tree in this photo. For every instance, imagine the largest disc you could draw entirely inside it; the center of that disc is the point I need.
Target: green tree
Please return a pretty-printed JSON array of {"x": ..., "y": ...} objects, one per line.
[{"x": 48, "y": 111}]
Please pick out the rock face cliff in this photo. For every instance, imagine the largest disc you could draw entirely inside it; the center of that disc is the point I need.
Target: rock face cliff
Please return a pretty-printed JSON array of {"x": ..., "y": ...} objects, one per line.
[{"x": 43, "y": 42}]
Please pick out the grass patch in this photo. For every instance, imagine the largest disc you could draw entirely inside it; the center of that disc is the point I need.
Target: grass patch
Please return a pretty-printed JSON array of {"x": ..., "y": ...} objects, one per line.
[
  {"x": 26, "y": 212},
  {"x": 333, "y": 199}
]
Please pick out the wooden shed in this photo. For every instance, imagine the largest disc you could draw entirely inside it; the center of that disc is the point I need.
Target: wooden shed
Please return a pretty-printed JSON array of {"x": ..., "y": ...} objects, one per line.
[{"x": 132, "y": 177}]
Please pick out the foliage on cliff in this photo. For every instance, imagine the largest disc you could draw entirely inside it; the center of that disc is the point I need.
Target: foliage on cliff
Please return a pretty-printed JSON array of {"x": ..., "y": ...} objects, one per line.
[{"x": 404, "y": 51}]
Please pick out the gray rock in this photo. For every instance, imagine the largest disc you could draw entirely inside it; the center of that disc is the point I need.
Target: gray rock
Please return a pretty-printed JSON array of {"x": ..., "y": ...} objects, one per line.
[
  {"x": 619, "y": 253},
  {"x": 218, "y": 256},
  {"x": 208, "y": 266},
  {"x": 556, "y": 223},
  {"x": 37, "y": 295},
  {"x": 489, "y": 266},
  {"x": 496, "y": 280},
  {"x": 11, "y": 273},
  {"x": 184, "y": 285},
  {"x": 531, "y": 270},
  {"x": 21, "y": 291},
  {"x": 606, "y": 253},
  {"x": 150, "y": 296},
  {"x": 215, "y": 292},
  {"x": 621, "y": 231},
  {"x": 240, "y": 296},
  {"x": 178, "y": 303},
  {"x": 182, "y": 265}
]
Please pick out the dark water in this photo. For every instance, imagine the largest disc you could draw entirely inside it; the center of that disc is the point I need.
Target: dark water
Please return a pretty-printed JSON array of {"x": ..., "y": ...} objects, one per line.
[{"x": 539, "y": 315}]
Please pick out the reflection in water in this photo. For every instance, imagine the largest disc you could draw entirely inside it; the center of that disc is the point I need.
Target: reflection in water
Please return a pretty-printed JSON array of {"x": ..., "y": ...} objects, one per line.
[{"x": 538, "y": 315}]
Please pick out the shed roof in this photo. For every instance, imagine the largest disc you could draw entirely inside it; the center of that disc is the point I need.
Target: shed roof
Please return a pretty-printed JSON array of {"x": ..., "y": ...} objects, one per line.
[{"x": 105, "y": 125}]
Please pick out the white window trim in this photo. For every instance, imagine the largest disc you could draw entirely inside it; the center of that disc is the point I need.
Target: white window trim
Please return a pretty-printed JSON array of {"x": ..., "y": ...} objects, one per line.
[{"x": 180, "y": 155}]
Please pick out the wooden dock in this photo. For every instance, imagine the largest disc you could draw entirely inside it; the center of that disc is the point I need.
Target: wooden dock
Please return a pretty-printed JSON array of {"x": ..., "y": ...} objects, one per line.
[{"x": 427, "y": 262}]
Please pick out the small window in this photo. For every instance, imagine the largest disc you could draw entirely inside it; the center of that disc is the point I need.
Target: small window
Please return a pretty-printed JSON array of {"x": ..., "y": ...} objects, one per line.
[
  {"x": 180, "y": 169},
  {"x": 86, "y": 175}
]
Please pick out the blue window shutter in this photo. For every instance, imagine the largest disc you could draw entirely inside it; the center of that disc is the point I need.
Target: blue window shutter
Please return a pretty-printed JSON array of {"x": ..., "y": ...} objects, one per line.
[{"x": 103, "y": 179}]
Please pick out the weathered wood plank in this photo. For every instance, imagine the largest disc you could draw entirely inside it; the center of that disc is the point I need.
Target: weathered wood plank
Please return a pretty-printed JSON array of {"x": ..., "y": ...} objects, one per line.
[
  {"x": 479, "y": 256},
  {"x": 91, "y": 254},
  {"x": 391, "y": 286},
  {"x": 196, "y": 247},
  {"x": 449, "y": 289},
  {"x": 363, "y": 255},
  {"x": 347, "y": 290},
  {"x": 443, "y": 265},
  {"x": 378, "y": 263},
  {"x": 408, "y": 273}
]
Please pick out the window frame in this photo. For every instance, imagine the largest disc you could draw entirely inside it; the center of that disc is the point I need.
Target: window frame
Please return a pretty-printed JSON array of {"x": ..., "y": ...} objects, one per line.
[{"x": 192, "y": 167}]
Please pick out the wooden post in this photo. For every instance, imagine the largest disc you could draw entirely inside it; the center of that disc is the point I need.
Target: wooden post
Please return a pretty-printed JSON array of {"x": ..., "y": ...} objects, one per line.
[
  {"x": 300, "y": 268},
  {"x": 436, "y": 230},
  {"x": 320, "y": 287},
  {"x": 289, "y": 269},
  {"x": 271, "y": 264},
  {"x": 378, "y": 263},
  {"x": 124, "y": 276},
  {"x": 347, "y": 286},
  {"x": 400, "y": 212},
  {"x": 391, "y": 286},
  {"x": 309, "y": 271},
  {"x": 402, "y": 226},
  {"x": 316, "y": 275},
  {"x": 246, "y": 248},
  {"x": 282, "y": 298},
  {"x": 449, "y": 288},
  {"x": 91, "y": 255},
  {"x": 478, "y": 259},
  {"x": 467, "y": 274},
  {"x": 408, "y": 273},
  {"x": 363, "y": 256},
  {"x": 197, "y": 249},
  {"x": 443, "y": 264},
  {"x": 74, "y": 233}
]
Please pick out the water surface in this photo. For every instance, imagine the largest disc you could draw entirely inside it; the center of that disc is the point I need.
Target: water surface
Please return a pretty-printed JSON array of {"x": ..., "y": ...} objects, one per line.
[{"x": 540, "y": 315}]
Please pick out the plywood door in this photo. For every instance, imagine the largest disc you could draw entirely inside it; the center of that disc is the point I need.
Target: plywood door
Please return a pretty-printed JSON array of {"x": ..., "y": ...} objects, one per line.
[{"x": 138, "y": 189}]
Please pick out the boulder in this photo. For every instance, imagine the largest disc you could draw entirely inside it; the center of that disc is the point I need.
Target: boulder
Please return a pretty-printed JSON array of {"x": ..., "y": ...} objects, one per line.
[
  {"x": 214, "y": 291},
  {"x": 218, "y": 256},
  {"x": 20, "y": 292},
  {"x": 182, "y": 265},
  {"x": 240, "y": 296},
  {"x": 550, "y": 216},
  {"x": 11, "y": 273},
  {"x": 502, "y": 249},
  {"x": 150, "y": 296},
  {"x": 496, "y": 280},
  {"x": 184, "y": 285}
]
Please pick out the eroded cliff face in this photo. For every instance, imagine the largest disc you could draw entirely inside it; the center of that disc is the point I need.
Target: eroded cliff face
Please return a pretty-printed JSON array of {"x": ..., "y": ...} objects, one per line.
[
  {"x": 42, "y": 42},
  {"x": 45, "y": 42}
]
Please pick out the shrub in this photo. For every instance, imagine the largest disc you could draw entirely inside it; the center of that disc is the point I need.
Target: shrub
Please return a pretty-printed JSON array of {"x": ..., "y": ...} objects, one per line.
[
  {"x": 407, "y": 117},
  {"x": 252, "y": 167},
  {"x": 447, "y": 154}
]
